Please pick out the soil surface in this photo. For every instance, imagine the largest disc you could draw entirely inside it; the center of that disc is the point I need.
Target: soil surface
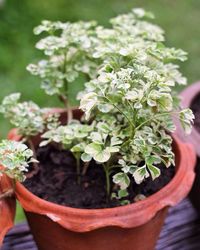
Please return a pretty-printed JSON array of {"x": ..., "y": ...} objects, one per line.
[
  {"x": 56, "y": 181},
  {"x": 195, "y": 106}
]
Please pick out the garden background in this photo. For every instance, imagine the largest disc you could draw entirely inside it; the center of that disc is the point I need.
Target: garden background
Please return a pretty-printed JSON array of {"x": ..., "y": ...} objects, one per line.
[{"x": 179, "y": 18}]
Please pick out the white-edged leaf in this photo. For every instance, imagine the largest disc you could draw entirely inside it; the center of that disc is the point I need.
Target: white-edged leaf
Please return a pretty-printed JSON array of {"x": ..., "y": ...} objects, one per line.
[
  {"x": 88, "y": 102},
  {"x": 122, "y": 180},
  {"x": 85, "y": 157},
  {"x": 105, "y": 108},
  {"x": 96, "y": 137},
  {"x": 154, "y": 171},
  {"x": 93, "y": 149},
  {"x": 186, "y": 117},
  {"x": 113, "y": 149},
  {"x": 122, "y": 193},
  {"x": 44, "y": 143},
  {"x": 140, "y": 174},
  {"x": 102, "y": 156}
]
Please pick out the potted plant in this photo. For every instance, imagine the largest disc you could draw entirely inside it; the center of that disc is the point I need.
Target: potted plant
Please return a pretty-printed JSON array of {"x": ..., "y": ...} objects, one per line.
[
  {"x": 106, "y": 177},
  {"x": 190, "y": 99}
]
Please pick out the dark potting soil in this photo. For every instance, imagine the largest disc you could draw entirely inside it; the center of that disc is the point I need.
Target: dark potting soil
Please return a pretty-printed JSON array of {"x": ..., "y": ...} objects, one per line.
[
  {"x": 195, "y": 106},
  {"x": 56, "y": 181}
]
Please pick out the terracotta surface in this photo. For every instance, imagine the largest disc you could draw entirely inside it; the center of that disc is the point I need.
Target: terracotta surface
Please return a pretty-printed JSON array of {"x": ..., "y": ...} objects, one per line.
[
  {"x": 108, "y": 238},
  {"x": 195, "y": 191},
  {"x": 7, "y": 208},
  {"x": 187, "y": 96},
  {"x": 135, "y": 226},
  {"x": 176, "y": 234}
]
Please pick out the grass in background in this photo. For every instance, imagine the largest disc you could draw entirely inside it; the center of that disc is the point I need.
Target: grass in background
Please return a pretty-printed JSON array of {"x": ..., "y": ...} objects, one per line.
[
  {"x": 20, "y": 217},
  {"x": 180, "y": 19}
]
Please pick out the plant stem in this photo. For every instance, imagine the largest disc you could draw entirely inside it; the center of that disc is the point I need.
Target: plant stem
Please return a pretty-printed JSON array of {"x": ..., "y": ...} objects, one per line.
[
  {"x": 85, "y": 167},
  {"x": 107, "y": 181},
  {"x": 66, "y": 90},
  {"x": 69, "y": 115},
  {"x": 64, "y": 99},
  {"x": 32, "y": 147},
  {"x": 130, "y": 122},
  {"x": 153, "y": 118},
  {"x": 14, "y": 184}
]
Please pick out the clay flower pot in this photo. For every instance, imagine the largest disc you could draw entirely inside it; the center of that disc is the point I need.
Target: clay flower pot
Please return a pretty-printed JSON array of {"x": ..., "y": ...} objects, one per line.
[
  {"x": 135, "y": 226},
  {"x": 187, "y": 97},
  {"x": 7, "y": 208}
]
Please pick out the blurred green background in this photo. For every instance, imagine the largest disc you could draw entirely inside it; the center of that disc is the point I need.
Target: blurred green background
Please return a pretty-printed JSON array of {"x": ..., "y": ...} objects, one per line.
[{"x": 179, "y": 18}]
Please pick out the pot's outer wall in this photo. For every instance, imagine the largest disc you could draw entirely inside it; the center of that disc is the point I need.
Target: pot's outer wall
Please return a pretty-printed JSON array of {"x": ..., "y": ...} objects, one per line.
[
  {"x": 195, "y": 191},
  {"x": 7, "y": 208},
  {"x": 137, "y": 224},
  {"x": 51, "y": 236},
  {"x": 187, "y": 97}
]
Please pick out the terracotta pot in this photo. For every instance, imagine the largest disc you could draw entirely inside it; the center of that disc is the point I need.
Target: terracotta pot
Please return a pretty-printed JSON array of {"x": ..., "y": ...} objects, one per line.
[
  {"x": 135, "y": 226},
  {"x": 188, "y": 96},
  {"x": 7, "y": 208}
]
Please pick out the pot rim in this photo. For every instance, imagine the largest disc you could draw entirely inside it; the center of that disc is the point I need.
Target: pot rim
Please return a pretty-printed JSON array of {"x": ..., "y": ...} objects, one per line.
[
  {"x": 127, "y": 216},
  {"x": 187, "y": 97},
  {"x": 99, "y": 210}
]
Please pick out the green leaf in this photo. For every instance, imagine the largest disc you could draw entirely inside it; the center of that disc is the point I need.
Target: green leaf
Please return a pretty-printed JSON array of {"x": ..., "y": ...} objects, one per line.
[
  {"x": 78, "y": 148},
  {"x": 103, "y": 127},
  {"x": 15, "y": 157},
  {"x": 85, "y": 157},
  {"x": 154, "y": 171},
  {"x": 152, "y": 159},
  {"x": 122, "y": 180},
  {"x": 132, "y": 95},
  {"x": 105, "y": 108},
  {"x": 44, "y": 143},
  {"x": 186, "y": 117},
  {"x": 96, "y": 138},
  {"x": 165, "y": 102},
  {"x": 93, "y": 149},
  {"x": 140, "y": 174},
  {"x": 169, "y": 125},
  {"x": 115, "y": 141},
  {"x": 122, "y": 193},
  {"x": 113, "y": 149},
  {"x": 102, "y": 156},
  {"x": 88, "y": 102}
]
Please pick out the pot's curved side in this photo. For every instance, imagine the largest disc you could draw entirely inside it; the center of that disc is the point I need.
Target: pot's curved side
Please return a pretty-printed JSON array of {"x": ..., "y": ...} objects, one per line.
[
  {"x": 195, "y": 191},
  {"x": 109, "y": 229},
  {"x": 129, "y": 216},
  {"x": 108, "y": 238},
  {"x": 187, "y": 97},
  {"x": 189, "y": 93},
  {"x": 8, "y": 205},
  {"x": 7, "y": 208}
]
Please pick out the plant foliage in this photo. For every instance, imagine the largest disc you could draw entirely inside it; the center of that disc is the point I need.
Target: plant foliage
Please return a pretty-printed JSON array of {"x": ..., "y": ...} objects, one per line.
[
  {"x": 128, "y": 101},
  {"x": 15, "y": 158}
]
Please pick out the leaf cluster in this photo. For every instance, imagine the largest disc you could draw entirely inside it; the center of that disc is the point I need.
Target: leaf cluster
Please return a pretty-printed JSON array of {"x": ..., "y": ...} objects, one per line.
[
  {"x": 128, "y": 100},
  {"x": 26, "y": 116},
  {"x": 15, "y": 158}
]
